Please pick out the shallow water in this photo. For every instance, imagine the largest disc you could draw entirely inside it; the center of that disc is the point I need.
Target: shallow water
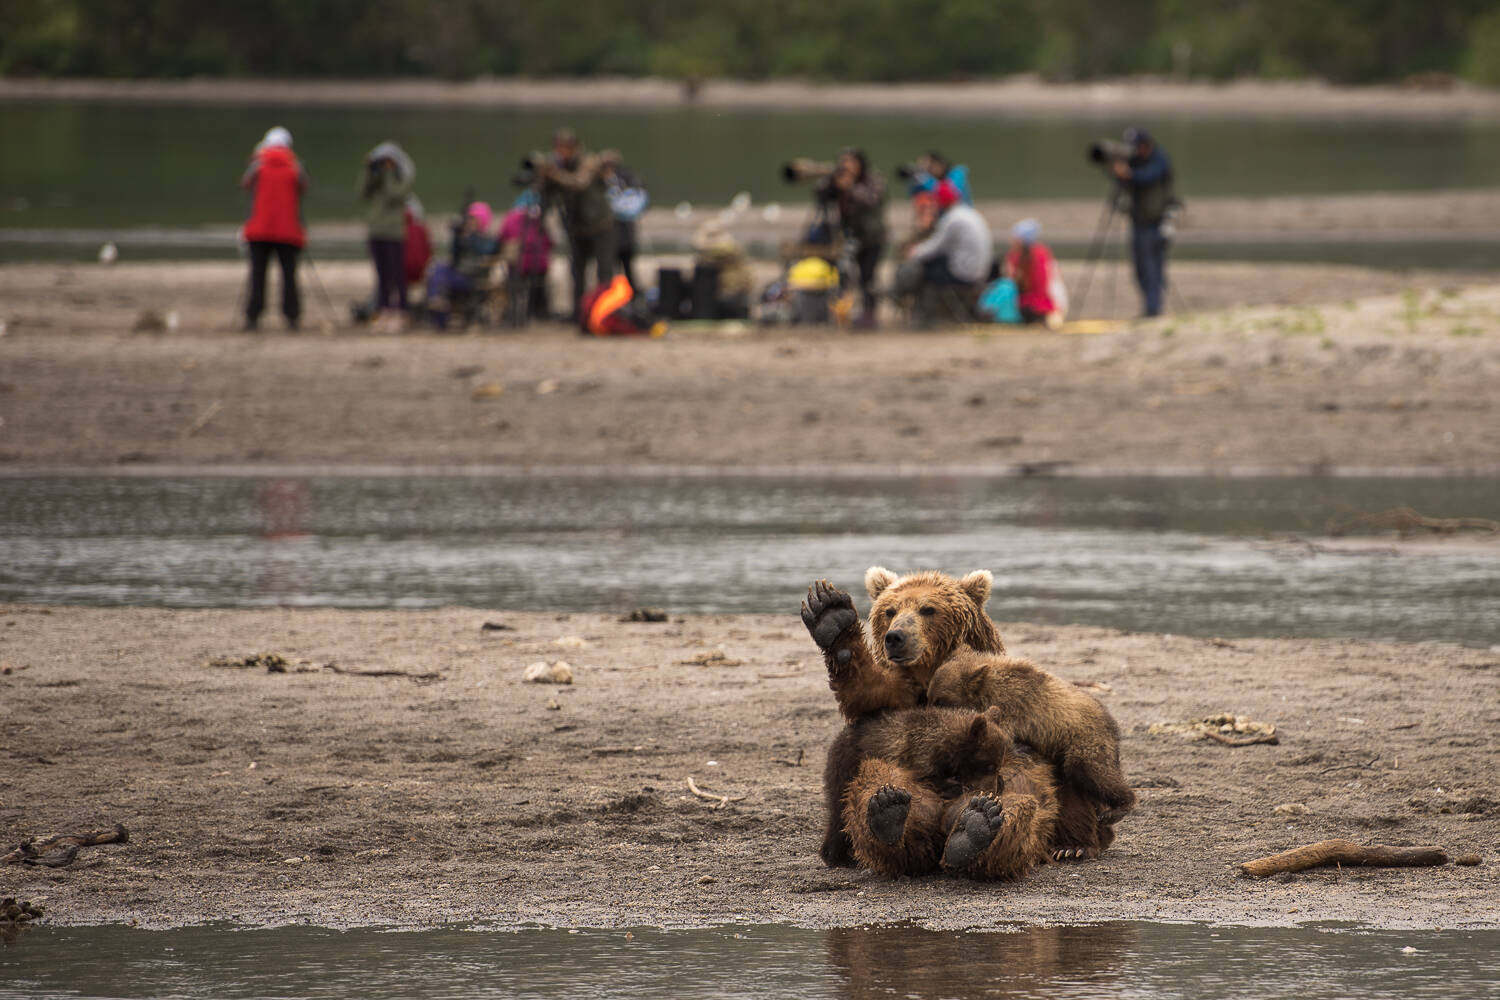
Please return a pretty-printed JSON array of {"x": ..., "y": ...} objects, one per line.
[
  {"x": 90, "y": 165},
  {"x": 1104, "y": 960},
  {"x": 1212, "y": 557}
]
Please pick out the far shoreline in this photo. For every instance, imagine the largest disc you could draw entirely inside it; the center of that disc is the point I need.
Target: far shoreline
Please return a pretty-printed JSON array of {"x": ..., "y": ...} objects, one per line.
[{"x": 1011, "y": 97}]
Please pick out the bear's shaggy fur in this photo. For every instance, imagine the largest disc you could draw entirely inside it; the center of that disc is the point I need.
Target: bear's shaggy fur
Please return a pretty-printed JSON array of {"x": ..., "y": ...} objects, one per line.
[
  {"x": 1065, "y": 724},
  {"x": 930, "y": 641},
  {"x": 916, "y": 623},
  {"x": 912, "y": 790}
]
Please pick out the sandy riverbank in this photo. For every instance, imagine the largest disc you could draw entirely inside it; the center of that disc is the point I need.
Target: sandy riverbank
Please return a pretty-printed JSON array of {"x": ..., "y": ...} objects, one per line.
[
  {"x": 1334, "y": 376},
  {"x": 1015, "y": 96},
  {"x": 346, "y": 799}
]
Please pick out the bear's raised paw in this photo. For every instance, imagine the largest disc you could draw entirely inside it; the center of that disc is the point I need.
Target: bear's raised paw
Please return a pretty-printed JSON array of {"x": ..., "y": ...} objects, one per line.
[
  {"x": 975, "y": 830},
  {"x": 828, "y": 613}
]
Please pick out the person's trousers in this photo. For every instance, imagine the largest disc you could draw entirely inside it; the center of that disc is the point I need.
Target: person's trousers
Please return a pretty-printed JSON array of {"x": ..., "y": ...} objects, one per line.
[
  {"x": 291, "y": 299},
  {"x": 390, "y": 273},
  {"x": 1148, "y": 249},
  {"x": 867, "y": 259},
  {"x": 598, "y": 247}
]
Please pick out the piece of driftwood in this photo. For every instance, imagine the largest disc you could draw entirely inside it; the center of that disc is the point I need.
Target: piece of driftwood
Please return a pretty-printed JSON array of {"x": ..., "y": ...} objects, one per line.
[
  {"x": 59, "y": 851},
  {"x": 1406, "y": 522},
  {"x": 719, "y": 801},
  {"x": 1344, "y": 852}
]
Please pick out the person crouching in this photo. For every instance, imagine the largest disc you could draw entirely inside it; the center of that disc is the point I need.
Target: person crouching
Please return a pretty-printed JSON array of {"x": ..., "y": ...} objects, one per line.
[
  {"x": 956, "y": 259},
  {"x": 1039, "y": 286}
]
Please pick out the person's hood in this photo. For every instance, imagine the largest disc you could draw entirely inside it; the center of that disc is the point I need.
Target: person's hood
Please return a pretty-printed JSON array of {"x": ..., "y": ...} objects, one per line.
[
  {"x": 276, "y": 137},
  {"x": 393, "y": 152}
]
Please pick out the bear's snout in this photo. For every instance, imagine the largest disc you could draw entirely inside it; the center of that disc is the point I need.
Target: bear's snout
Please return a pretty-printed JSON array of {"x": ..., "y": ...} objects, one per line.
[{"x": 896, "y": 643}]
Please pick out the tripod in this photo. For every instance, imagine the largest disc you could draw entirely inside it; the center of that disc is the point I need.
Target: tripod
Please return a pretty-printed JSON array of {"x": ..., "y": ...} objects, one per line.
[{"x": 1101, "y": 236}]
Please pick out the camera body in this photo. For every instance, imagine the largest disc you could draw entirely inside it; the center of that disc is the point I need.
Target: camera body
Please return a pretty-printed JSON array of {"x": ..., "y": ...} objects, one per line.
[{"x": 530, "y": 170}]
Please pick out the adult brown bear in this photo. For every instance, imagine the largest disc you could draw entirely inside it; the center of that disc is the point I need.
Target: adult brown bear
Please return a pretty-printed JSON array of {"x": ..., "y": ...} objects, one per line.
[{"x": 918, "y": 623}]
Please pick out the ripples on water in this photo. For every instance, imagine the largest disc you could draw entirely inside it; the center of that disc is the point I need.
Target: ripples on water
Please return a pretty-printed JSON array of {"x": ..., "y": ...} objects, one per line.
[
  {"x": 1219, "y": 557},
  {"x": 1133, "y": 960}
]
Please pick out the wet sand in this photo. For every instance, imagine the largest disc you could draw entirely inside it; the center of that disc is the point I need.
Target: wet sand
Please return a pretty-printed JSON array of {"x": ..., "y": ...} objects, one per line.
[{"x": 343, "y": 799}]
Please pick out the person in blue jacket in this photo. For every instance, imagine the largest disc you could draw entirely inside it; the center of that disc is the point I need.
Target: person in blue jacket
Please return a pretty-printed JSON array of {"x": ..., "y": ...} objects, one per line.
[
  {"x": 931, "y": 169},
  {"x": 1146, "y": 177}
]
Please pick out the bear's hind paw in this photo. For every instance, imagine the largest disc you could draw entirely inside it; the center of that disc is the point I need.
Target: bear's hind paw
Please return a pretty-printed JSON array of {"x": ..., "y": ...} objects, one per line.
[
  {"x": 886, "y": 814},
  {"x": 975, "y": 830}
]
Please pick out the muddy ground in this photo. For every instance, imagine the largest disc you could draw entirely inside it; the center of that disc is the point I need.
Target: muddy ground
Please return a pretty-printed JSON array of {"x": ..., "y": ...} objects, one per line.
[
  {"x": 1349, "y": 368},
  {"x": 340, "y": 798}
]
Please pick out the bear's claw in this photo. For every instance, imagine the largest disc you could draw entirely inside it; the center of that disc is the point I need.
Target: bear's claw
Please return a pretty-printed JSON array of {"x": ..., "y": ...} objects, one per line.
[
  {"x": 975, "y": 830},
  {"x": 828, "y": 613},
  {"x": 886, "y": 814},
  {"x": 1075, "y": 853}
]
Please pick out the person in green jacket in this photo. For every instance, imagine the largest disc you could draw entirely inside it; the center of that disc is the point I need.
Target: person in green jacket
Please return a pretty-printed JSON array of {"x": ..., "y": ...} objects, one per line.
[
  {"x": 572, "y": 182},
  {"x": 385, "y": 183}
]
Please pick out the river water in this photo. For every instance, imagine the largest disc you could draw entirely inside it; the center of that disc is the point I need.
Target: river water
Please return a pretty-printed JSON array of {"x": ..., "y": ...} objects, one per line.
[
  {"x": 1192, "y": 556},
  {"x": 1128, "y": 960},
  {"x": 92, "y": 167}
]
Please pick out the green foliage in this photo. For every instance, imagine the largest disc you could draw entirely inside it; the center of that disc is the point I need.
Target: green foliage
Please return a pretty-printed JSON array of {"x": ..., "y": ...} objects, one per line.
[{"x": 1340, "y": 40}]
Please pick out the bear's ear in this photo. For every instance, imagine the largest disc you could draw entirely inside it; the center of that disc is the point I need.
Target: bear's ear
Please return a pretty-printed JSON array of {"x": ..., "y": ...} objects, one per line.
[
  {"x": 977, "y": 585},
  {"x": 974, "y": 681},
  {"x": 877, "y": 578}
]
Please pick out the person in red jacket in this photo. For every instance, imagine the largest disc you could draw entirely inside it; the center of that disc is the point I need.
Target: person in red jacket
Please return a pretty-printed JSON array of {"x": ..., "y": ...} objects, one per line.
[
  {"x": 1039, "y": 285},
  {"x": 276, "y": 182}
]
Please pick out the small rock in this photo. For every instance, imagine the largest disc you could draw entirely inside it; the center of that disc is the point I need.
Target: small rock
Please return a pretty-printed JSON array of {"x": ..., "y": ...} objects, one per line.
[
  {"x": 496, "y": 627},
  {"x": 1468, "y": 860},
  {"x": 542, "y": 672},
  {"x": 1291, "y": 809},
  {"x": 546, "y": 387},
  {"x": 553, "y": 706},
  {"x": 292, "y": 861},
  {"x": 571, "y": 642},
  {"x": 645, "y": 615},
  {"x": 706, "y": 880}
]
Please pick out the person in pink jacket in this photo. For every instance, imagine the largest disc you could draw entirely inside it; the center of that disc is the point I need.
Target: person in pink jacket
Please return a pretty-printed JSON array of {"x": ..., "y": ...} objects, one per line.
[{"x": 1039, "y": 285}]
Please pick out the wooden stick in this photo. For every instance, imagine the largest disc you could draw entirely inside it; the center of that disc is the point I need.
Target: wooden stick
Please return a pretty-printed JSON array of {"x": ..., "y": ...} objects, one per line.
[
  {"x": 719, "y": 801},
  {"x": 202, "y": 421},
  {"x": 32, "y": 851},
  {"x": 421, "y": 678},
  {"x": 1344, "y": 852},
  {"x": 1242, "y": 741}
]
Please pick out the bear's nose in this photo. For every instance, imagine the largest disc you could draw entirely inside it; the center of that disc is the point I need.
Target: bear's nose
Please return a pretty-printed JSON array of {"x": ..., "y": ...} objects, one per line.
[{"x": 894, "y": 638}]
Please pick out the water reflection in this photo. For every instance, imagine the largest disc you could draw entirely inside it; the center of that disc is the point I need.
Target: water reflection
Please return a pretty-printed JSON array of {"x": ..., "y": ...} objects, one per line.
[
  {"x": 1033, "y": 961},
  {"x": 1127, "y": 960}
]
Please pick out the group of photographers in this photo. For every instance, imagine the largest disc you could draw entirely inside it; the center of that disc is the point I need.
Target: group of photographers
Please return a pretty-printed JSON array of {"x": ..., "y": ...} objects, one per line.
[
  {"x": 948, "y": 264},
  {"x": 949, "y": 267}
]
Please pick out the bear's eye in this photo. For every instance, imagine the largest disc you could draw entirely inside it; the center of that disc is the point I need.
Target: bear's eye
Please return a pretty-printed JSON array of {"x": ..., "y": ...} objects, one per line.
[
  {"x": 890, "y": 612},
  {"x": 928, "y": 612}
]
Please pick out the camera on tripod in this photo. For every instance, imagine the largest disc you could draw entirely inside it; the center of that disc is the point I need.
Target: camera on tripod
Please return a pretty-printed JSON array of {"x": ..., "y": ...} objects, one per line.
[{"x": 804, "y": 170}]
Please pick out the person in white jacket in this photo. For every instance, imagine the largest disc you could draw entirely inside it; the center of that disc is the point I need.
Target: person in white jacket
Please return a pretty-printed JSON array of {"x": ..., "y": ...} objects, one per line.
[{"x": 961, "y": 249}]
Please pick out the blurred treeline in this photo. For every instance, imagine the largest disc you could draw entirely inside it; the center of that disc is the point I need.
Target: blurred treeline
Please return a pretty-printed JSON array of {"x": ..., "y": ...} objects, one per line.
[{"x": 1348, "y": 41}]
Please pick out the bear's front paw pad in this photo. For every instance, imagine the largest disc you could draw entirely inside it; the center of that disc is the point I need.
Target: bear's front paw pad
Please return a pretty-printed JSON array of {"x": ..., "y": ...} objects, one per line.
[
  {"x": 828, "y": 613},
  {"x": 886, "y": 814},
  {"x": 974, "y": 831}
]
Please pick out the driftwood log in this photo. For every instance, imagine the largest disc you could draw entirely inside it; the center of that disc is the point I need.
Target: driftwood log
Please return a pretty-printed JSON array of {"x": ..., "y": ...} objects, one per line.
[
  {"x": 1344, "y": 852},
  {"x": 59, "y": 852}
]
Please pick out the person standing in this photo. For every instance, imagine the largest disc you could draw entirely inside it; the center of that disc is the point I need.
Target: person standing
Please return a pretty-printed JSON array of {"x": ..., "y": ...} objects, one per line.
[
  {"x": 276, "y": 182},
  {"x": 384, "y": 184},
  {"x": 858, "y": 192},
  {"x": 1146, "y": 177},
  {"x": 572, "y": 182},
  {"x": 628, "y": 200}
]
